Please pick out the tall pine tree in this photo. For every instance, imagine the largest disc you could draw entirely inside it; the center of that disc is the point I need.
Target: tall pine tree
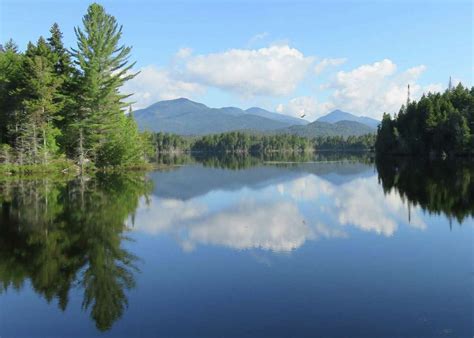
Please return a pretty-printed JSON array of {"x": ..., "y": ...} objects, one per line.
[{"x": 99, "y": 119}]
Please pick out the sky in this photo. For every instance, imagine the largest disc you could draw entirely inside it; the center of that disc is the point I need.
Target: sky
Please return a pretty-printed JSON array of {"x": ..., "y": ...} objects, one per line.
[{"x": 292, "y": 57}]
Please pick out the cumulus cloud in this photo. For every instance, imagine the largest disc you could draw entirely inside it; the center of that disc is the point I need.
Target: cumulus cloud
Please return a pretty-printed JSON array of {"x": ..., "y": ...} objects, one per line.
[
  {"x": 369, "y": 90},
  {"x": 305, "y": 104},
  {"x": 256, "y": 38},
  {"x": 184, "y": 53},
  {"x": 274, "y": 70},
  {"x": 326, "y": 63},
  {"x": 375, "y": 88},
  {"x": 154, "y": 84}
]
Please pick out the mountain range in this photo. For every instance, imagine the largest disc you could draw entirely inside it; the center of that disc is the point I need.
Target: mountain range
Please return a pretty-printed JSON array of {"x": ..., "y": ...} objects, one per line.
[
  {"x": 339, "y": 115},
  {"x": 185, "y": 117}
]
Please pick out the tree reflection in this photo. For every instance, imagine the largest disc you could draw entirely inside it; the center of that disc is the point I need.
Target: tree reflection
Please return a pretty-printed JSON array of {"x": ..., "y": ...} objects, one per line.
[
  {"x": 440, "y": 187},
  {"x": 61, "y": 234}
]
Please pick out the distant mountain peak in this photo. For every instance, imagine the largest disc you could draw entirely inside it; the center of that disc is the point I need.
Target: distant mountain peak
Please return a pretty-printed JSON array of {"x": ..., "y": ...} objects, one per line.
[
  {"x": 186, "y": 117},
  {"x": 338, "y": 115}
]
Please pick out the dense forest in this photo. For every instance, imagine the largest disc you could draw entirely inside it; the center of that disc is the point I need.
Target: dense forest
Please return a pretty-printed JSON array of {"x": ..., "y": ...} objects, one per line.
[
  {"x": 439, "y": 124},
  {"x": 247, "y": 143},
  {"x": 58, "y": 103}
]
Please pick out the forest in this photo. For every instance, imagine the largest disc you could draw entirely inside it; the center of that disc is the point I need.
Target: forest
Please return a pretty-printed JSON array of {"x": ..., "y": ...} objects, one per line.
[
  {"x": 60, "y": 105},
  {"x": 439, "y": 124},
  {"x": 251, "y": 143},
  {"x": 61, "y": 108}
]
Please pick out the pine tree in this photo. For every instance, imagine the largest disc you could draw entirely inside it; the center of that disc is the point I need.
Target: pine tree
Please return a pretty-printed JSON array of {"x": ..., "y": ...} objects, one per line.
[
  {"x": 66, "y": 97},
  {"x": 103, "y": 69},
  {"x": 40, "y": 103},
  {"x": 11, "y": 63}
]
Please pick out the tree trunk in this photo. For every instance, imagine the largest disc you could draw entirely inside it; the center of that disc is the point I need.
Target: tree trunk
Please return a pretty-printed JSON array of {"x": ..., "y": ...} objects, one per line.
[{"x": 81, "y": 151}]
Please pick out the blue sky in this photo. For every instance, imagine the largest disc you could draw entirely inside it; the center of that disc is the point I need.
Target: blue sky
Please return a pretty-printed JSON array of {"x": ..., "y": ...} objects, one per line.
[{"x": 289, "y": 56}]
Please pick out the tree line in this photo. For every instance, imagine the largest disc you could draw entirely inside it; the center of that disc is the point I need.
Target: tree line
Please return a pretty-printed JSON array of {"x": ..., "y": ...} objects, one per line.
[
  {"x": 437, "y": 124},
  {"x": 247, "y": 143},
  {"x": 58, "y": 103}
]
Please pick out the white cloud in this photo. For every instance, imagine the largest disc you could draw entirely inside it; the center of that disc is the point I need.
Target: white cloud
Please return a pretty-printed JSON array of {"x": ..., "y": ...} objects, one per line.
[
  {"x": 154, "y": 84},
  {"x": 275, "y": 226},
  {"x": 433, "y": 88},
  {"x": 257, "y": 37},
  {"x": 184, "y": 52},
  {"x": 375, "y": 88},
  {"x": 326, "y": 63},
  {"x": 307, "y": 105},
  {"x": 274, "y": 70}
]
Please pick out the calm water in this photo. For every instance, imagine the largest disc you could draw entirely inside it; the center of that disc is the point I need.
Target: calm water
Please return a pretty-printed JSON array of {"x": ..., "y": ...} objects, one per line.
[{"x": 241, "y": 247}]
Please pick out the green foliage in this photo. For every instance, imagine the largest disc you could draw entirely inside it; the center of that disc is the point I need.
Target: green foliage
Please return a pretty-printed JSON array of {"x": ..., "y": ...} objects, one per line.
[
  {"x": 170, "y": 143},
  {"x": 351, "y": 143},
  {"x": 98, "y": 120},
  {"x": 436, "y": 124},
  {"x": 239, "y": 142},
  {"x": 51, "y": 107},
  {"x": 245, "y": 143}
]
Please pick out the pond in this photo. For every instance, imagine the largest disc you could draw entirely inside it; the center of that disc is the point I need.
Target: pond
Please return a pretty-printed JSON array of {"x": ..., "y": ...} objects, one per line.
[{"x": 331, "y": 246}]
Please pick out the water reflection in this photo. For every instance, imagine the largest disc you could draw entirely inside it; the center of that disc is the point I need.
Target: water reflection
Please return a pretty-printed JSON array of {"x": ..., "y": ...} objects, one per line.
[
  {"x": 59, "y": 235},
  {"x": 69, "y": 237},
  {"x": 273, "y": 208},
  {"x": 440, "y": 187}
]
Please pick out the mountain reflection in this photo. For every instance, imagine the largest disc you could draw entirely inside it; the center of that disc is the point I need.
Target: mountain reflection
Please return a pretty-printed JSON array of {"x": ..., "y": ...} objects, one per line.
[
  {"x": 60, "y": 235},
  {"x": 279, "y": 208}
]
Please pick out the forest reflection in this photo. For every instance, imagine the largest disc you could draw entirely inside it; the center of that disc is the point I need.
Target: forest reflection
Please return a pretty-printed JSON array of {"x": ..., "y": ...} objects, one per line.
[
  {"x": 244, "y": 161},
  {"x": 60, "y": 235},
  {"x": 439, "y": 187}
]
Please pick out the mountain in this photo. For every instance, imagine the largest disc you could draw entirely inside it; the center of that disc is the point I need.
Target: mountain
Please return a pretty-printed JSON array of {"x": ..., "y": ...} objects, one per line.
[
  {"x": 340, "y": 128},
  {"x": 275, "y": 116},
  {"x": 339, "y": 115},
  {"x": 186, "y": 117}
]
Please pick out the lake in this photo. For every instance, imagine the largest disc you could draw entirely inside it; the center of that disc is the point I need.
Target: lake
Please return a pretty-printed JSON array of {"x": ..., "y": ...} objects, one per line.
[{"x": 330, "y": 246}]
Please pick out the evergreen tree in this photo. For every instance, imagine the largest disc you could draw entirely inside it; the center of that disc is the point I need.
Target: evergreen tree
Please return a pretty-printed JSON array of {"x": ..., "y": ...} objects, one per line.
[
  {"x": 11, "y": 63},
  {"x": 437, "y": 124},
  {"x": 103, "y": 69},
  {"x": 37, "y": 132}
]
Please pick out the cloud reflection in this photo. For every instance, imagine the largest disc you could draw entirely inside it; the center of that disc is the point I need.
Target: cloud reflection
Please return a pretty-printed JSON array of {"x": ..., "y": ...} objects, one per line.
[{"x": 280, "y": 217}]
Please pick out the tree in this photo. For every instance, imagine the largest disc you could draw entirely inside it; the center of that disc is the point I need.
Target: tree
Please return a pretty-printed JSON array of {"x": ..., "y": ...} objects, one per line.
[
  {"x": 41, "y": 105},
  {"x": 98, "y": 121},
  {"x": 436, "y": 124},
  {"x": 11, "y": 63}
]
